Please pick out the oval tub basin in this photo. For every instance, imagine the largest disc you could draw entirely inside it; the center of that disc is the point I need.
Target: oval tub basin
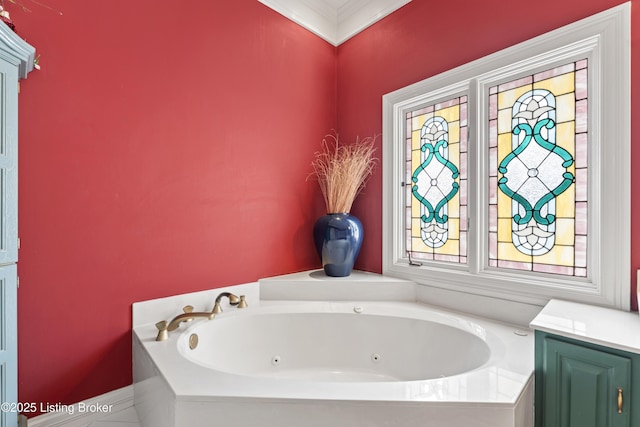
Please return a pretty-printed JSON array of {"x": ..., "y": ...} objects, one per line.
[{"x": 336, "y": 347}]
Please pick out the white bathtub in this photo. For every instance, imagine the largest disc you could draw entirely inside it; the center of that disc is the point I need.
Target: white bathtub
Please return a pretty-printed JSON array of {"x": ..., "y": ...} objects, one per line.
[
  {"x": 340, "y": 363},
  {"x": 338, "y": 342}
]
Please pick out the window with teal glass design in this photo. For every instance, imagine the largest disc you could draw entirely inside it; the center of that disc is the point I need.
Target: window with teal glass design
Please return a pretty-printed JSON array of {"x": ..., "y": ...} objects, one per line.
[
  {"x": 509, "y": 177},
  {"x": 436, "y": 187},
  {"x": 538, "y": 172}
]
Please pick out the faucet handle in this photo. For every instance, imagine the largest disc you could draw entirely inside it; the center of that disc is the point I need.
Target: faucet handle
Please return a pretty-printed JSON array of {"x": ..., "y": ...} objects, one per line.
[
  {"x": 163, "y": 334},
  {"x": 162, "y": 325},
  {"x": 243, "y": 302},
  {"x": 187, "y": 309}
]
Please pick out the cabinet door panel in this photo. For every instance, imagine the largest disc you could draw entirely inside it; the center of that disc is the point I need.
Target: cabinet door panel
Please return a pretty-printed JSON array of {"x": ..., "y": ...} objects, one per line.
[
  {"x": 8, "y": 163},
  {"x": 8, "y": 239},
  {"x": 8, "y": 343},
  {"x": 580, "y": 386}
]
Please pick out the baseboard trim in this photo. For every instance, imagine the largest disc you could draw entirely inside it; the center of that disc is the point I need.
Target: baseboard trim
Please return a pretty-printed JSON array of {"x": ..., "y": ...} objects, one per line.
[{"x": 83, "y": 413}]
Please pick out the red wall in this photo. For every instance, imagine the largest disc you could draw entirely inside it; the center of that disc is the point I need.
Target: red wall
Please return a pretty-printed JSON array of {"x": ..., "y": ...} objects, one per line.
[
  {"x": 421, "y": 40},
  {"x": 164, "y": 149}
]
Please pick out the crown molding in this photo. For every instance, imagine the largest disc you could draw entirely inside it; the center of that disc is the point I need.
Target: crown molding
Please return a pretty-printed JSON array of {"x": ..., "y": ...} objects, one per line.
[
  {"x": 17, "y": 51},
  {"x": 335, "y": 24}
]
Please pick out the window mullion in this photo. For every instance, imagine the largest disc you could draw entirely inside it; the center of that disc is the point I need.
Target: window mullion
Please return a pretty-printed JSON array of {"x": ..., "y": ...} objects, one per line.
[{"x": 477, "y": 167}]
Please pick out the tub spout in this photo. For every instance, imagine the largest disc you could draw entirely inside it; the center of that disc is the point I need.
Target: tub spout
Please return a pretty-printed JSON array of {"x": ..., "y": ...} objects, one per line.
[
  {"x": 234, "y": 300},
  {"x": 165, "y": 327},
  {"x": 186, "y": 317}
]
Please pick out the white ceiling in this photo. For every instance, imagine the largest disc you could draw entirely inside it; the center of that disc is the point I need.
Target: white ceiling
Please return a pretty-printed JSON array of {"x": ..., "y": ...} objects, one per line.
[
  {"x": 335, "y": 20},
  {"x": 336, "y": 4}
]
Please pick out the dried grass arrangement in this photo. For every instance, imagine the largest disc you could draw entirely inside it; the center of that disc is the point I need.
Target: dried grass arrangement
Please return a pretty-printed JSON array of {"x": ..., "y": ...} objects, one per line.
[{"x": 343, "y": 170}]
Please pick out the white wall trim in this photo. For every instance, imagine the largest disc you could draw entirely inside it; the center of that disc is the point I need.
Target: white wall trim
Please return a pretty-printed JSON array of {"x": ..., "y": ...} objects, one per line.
[
  {"x": 335, "y": 25},
  {"x": 356, "y": 15},
  {"x": 117, "y": 400}
]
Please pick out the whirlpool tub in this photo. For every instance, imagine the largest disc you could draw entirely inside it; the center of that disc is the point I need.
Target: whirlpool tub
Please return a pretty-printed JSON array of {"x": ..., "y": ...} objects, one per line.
[{"x": 338, "y": 363}]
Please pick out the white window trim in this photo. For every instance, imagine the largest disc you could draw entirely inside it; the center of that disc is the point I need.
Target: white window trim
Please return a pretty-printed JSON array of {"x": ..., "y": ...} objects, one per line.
[{"x": 603, "y": 38}]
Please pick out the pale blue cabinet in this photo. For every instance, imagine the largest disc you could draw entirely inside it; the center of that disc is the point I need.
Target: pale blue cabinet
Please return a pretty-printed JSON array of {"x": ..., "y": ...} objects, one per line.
[
  {"x": 8, "y": 345},
  {"x": 16, "y": 60}
]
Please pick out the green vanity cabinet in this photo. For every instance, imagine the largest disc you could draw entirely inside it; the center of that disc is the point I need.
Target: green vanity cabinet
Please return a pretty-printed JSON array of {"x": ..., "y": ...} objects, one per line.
[{"x": 579, "y": 384}]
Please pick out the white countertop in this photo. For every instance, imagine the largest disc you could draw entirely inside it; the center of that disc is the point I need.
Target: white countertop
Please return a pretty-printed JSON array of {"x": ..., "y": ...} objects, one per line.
[
  {"x": 598, "y": 325},
  {"x": 317, "y": 286}
]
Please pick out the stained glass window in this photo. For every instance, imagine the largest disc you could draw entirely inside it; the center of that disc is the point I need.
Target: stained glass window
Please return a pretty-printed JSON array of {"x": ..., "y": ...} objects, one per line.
[
  {"x": 508, "y": 178},
  {"x": 436, "y": 181},
  {"x": 538, "y": 172}
]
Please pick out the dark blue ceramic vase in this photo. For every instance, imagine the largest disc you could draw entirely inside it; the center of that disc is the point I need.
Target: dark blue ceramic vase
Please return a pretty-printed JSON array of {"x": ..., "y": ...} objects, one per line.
[{"x": 338, "y": 238}]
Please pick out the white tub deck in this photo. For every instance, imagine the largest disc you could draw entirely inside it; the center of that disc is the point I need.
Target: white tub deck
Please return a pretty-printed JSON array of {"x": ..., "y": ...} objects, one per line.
[{"x": 173, "y": 391}]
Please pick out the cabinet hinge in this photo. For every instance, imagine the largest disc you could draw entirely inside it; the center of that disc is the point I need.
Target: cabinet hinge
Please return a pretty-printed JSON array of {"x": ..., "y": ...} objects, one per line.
[
  {"x": 17, "y": 281},
  {"x": 18, "y": 243},
  {"x": 18, "y": 87}
]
